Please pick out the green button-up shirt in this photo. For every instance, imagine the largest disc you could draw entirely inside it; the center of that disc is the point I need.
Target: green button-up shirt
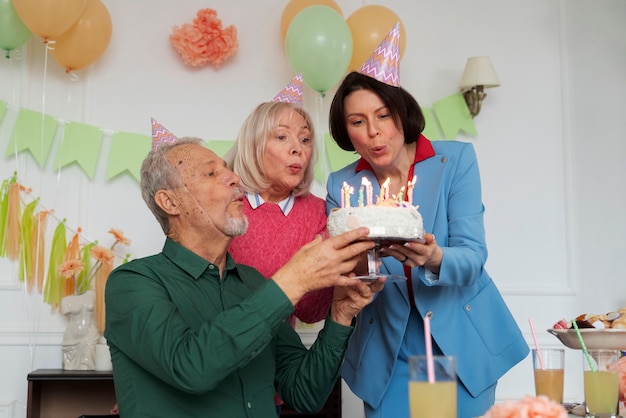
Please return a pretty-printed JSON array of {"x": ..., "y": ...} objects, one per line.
[{"x": 185, "y": 343}]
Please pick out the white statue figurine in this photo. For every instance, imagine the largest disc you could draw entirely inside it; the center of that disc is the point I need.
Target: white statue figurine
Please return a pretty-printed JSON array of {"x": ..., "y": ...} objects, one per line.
[{"x": 81, "y": 335}]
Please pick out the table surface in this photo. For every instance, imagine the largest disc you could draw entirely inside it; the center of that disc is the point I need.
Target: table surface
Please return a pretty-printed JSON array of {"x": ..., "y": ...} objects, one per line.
[{"x": 60, "y": 374}]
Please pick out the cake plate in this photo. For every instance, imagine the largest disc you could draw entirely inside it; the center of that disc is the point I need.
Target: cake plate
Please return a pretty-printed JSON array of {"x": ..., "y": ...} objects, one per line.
[
  {"x": 373, "y": 259},
  {"x": 594, "y": 338}
]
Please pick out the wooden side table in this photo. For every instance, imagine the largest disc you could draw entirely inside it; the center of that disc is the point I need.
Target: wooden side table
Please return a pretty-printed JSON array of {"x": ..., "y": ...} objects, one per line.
[{"x": 57, "y": 393}]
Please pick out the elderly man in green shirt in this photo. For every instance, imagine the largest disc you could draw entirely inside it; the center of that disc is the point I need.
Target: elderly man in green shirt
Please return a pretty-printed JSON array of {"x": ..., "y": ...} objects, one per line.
[{"x": 192, "y": 334}]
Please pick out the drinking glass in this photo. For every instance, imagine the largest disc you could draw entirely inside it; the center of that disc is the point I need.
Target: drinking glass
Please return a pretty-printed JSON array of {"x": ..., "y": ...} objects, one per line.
[
  {"x": 601, "y": 380},
  {"x": 435, "y": 397},
  {"x": 548, "y": 366}
]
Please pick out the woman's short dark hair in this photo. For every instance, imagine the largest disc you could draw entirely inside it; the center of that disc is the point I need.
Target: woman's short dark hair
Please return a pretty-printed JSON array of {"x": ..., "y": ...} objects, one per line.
[{"x": 403, "y": 107}]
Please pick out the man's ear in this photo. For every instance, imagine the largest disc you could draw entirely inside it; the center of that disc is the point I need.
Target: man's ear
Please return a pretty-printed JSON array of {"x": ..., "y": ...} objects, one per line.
[{"x": 168, "y": 201}]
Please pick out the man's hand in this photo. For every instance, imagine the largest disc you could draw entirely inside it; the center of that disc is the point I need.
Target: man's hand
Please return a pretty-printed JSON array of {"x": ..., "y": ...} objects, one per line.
[
  {"x": 349, "y": 300},
  {"x": 322, "y": 263}
]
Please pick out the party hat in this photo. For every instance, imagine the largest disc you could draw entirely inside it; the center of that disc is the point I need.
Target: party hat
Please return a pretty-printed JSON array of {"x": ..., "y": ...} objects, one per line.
[
  {"x": 160, "y": 135},
  {"x": 292, "y": 93},
  {"x": 384, "y": 64}
]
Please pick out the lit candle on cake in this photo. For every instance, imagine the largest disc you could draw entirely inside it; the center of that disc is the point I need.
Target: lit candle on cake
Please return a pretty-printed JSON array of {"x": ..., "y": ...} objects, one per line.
[
  {"x": 369, "y": 191},
  {"x": 400, "y": 195},
  {"x": 361, "y": 195},
  {"x": 409, "y": 192},
  {"x": 350, "y": 191},
  {"x": 384, "y": 191},
  {"x": 347, "y": 190}
]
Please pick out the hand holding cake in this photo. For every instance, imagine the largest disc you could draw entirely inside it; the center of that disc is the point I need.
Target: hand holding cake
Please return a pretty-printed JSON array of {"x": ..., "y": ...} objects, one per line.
[{"x": 425, "y": 254}]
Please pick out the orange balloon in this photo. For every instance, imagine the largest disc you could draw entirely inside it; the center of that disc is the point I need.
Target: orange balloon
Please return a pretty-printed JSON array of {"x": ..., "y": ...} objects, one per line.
[
  {"x": 369, "y": 25},
  {"x": 84, "y": 42},
  {"x": 49, "y": 18},
  {"x": 295, "y": 6}
]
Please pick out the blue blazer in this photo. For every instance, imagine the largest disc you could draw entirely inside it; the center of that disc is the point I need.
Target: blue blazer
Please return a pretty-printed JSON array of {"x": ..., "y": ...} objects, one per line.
[{"x": 470, "y": 319}]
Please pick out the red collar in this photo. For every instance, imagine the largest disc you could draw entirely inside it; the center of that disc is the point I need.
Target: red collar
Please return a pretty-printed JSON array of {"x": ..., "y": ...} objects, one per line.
[{"x": 423, "y": 150}]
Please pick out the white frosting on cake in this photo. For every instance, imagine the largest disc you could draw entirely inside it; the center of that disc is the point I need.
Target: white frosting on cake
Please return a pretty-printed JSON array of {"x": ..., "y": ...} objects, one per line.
[{"x": 391, "y": 222}]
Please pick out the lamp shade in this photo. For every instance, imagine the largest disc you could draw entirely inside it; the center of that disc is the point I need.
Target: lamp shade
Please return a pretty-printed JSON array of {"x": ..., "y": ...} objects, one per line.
[{"x": 478, "y": 72}]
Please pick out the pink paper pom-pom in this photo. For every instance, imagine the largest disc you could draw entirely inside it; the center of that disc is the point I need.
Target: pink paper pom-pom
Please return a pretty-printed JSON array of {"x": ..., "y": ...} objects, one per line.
[
  {"x": 204, "y": 41},
  {"x": 528, "y": 407}
]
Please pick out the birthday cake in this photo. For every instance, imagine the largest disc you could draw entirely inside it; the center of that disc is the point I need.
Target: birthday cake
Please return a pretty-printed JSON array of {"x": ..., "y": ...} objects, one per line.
[
  {"x": 388, "y": 220},
  {"x": 387, "y": 217}
]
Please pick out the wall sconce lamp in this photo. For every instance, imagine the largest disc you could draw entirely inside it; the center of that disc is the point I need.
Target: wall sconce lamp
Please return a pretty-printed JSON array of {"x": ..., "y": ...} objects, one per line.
[{"x": 477, "y": 76}]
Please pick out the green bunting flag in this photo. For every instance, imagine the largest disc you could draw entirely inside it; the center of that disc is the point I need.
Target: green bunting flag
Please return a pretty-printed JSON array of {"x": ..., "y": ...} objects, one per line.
[
  {"x": 81, "y": 144},
  {"x": 33, "y": 132},
  {"x": 431, "y": 131},
  {"x": 127, "y": 153},
  {"x": 453, "y": 116}
]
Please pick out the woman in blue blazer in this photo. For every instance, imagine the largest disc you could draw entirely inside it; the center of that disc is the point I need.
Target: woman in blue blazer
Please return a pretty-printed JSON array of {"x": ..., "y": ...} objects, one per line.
[{"x": 446, "y": 274}]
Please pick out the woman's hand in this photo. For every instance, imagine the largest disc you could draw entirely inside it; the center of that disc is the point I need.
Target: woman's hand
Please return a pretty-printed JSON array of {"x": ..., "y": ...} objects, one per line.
[{"x": 427, "y": 254}]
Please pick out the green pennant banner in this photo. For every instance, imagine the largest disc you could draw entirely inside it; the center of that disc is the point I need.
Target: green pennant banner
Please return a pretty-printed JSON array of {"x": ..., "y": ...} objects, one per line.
[
  {"x": 453, "y": 116},
  {"x": 127, "y": 153},
  {"x": 220, "y": 147},
  {"x": 81, "y": 144},
  {"x": 34, "y": 132},
  {"x": 431, "y": 130}
]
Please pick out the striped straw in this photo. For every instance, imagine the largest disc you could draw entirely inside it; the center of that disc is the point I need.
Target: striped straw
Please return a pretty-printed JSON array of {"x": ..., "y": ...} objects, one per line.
[{"x": 582, "y": 344}]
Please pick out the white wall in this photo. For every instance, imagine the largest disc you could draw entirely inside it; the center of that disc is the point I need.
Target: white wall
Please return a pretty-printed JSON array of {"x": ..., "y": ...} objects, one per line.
[{"x": 551, "y": 145}]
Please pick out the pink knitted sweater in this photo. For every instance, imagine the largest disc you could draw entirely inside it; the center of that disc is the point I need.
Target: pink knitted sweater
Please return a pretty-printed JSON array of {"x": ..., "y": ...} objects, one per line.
[{"x": 273, "y": 238}]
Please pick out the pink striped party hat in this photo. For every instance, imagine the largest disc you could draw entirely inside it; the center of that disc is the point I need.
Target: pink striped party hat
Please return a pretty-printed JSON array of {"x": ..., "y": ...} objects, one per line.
[
  {"x": 160, "y": 135},
  {"x": 384, "y": 64},
  {"x": 292, "y": 93}
]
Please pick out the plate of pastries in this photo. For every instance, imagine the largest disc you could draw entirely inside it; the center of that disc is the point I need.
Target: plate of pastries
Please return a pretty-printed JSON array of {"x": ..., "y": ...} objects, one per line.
[{"x": 598, "y": 331}]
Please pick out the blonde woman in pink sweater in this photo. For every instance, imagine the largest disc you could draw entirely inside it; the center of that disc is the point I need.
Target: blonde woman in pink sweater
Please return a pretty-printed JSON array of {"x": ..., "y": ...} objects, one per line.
[{"x": 274, "y": 155}]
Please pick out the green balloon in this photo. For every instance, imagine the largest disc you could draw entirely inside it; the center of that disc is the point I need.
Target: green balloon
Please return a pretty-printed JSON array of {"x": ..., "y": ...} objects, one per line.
[
  {"x": 318, "y": 44},
  {"x": 13, "y": 33}
]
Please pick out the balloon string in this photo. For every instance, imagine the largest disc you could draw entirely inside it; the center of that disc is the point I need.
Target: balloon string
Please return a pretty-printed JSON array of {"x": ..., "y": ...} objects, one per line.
[
  {"x": 83, "y": 187},
  {"x": 17, "y": 100},
  {"x": 322, "y": 157},
  {"x": 49, "y": 47},
  {"x": 36, "y": 318}
]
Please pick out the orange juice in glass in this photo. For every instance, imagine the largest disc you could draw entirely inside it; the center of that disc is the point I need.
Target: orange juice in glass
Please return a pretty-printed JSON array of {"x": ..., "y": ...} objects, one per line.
[
  {"x": 434, "y": 398},
  {"x": 548, "y": 366}
]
